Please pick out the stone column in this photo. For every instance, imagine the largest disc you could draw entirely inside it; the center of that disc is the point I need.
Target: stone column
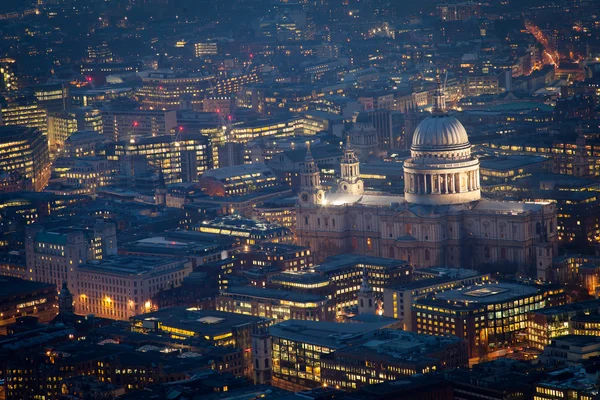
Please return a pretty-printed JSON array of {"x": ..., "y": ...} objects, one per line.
[
  {"x": 446, "y": 183},
  {"x": 458, "y": 183}
]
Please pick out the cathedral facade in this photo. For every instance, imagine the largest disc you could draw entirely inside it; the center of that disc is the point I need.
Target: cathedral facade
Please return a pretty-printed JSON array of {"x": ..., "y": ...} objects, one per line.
[{"x": 441, "y": 220}]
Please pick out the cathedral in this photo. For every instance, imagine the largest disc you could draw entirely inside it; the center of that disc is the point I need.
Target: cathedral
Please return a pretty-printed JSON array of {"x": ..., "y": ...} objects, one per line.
[{"x": 442, "y": 219}]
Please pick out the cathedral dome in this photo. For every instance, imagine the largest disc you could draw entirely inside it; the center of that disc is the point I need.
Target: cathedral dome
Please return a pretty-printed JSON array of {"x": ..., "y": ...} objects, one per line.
[{"x": 440, "y": 132}]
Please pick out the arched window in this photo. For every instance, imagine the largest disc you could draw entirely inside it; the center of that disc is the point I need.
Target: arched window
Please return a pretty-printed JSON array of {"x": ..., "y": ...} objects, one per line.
[
  {"x": 370, "y": 303},
  {"x": 256, "y": 363},
  {"x": 486, "y": 252},
  {"x": 306, "y": 221},
  {"x": 266, "y": 363},
  {"x": 391, "y": 252},
  {"x": 354, "y": 243},
  {"x": 427, "y": 256},
  {"x": 333, "y": 222},
  {"x": 362, "y": 304},
  {"x": 538, "y": 228},
  {"x": 318, "y": 221}
]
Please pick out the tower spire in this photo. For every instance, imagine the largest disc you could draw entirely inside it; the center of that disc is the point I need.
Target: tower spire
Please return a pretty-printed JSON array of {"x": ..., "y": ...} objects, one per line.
[
  {"x": 439, "y": 100},
  {"x": 366, "y": 296}
]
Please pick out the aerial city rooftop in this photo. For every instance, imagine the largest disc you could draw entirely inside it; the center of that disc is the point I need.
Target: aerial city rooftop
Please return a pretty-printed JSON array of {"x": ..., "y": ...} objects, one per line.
[{"x": 293, "y": 199}]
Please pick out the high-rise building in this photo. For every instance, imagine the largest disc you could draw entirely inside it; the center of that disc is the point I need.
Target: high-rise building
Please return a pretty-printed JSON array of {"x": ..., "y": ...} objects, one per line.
[
  {"x": 24, "y": 155},
  {"x": 55, "y": 98},
  {"x": 123, "y": 124},
  {"x": 60, "y": 127},
  {"x": 180, "y": 158},
  {"x": 280, "y": 305},
  {"x": 202, "y": 49},
  {"x": 166, "y": 90},
  {"x": 23, "y": 109},
  {"x": 8, "y": 80}
]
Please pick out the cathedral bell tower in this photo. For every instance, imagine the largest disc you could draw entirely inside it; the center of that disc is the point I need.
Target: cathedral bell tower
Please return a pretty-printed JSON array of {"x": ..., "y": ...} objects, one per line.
[
  {"x": 350, "y": 181},
  {"x": 311, "y": 192}
]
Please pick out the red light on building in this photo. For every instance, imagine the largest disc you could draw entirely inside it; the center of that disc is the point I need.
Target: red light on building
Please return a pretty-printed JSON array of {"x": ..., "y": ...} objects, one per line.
[{"x": 135, "y": 123}]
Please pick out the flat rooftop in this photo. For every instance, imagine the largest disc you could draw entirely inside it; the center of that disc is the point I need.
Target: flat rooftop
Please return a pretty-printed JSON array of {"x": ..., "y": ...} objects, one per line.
[
  {"x": 506, "y": 163},
  {"x": 127, "y": 265},
  {"x": 572, "y": 307},
  {"x": 447, "y": 272},
  {"x": 425, "y": 283},
  {"x": 202, "y": 322},
  {"x": 273, "y": 294},
  {"x": 345, "y": 260},
  {"x": 289, "y": 277},
  {"x": 485, "y": 294},
  {"x": 10, "y": 286},
  {"x": 329, "y": 334}
]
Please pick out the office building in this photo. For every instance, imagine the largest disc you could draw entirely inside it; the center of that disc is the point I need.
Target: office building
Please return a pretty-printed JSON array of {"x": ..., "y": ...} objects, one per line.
[
  {"x": 121, "y": 287},
  {"x": 238, "y": 180},
  {"x": 8, "y": 78},
  {"x": 399, "y": 299},
  {"x": 279, "y": 256},
  {"x": 488, "y": 317},
  {"x": 23, "y": 109},
  {"x": 498, "y": 170},
  {"x": 181, "y": 158},
  {"x": 82, "y": 175},
  {"x": 19, "y": 298},
  {"x": 579, "y": 318},
  {"x": 202, "y": 49},
  {"x": 167, "y": 90},
  {"x": 279, "y": 305},
  {"x": 218, "y": 328},
  {"x": 246, "y": 231},
  {"x": 198, "y": 248},
  {"x": 570, "y": 350},
  {"x": 84, "y": 144},
  {"x": 54, "y": 98},
  {"x": 25, "y": 156},
  {"x": 123, "y": 124},
  {"x": 298, "y": 347},
  {"x": 60, "y": 127},
  {"x": 274, "y": 127},
  {"x": 53, "y": 255},
  {"x": 347, "y": 270},
  {"x": 391, "y": 356}
]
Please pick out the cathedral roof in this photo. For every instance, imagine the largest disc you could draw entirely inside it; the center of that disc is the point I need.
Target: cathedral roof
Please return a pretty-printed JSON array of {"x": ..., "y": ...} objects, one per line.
[
  {"x": 440, "y": 131},
  {"x": 485, "y": 206}
]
